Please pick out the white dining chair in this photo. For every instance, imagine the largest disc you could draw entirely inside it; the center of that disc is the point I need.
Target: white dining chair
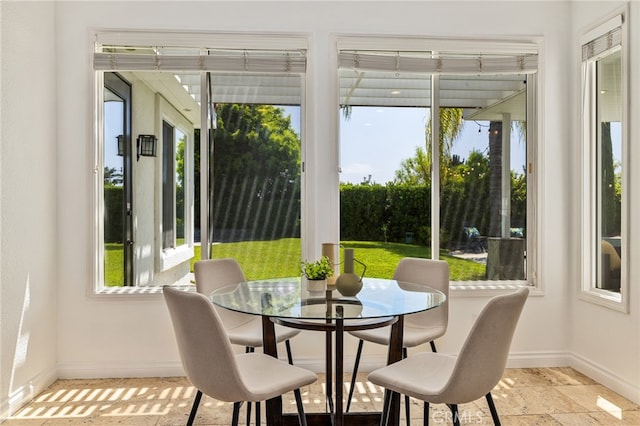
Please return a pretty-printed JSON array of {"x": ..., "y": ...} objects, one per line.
[
  {"x": 437, "y": 378},
  {"x": 419, "y": 328},
  {"x": 215, "y": 370},
  {"x": 242, "y": 329}
]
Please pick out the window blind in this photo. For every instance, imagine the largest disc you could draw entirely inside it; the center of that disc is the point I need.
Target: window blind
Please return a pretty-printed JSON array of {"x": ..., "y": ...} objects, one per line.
[
  {"x": 416, "y": 63},
  {"x": 599, "y": 45},
  {"x": 257, "y": 61}
]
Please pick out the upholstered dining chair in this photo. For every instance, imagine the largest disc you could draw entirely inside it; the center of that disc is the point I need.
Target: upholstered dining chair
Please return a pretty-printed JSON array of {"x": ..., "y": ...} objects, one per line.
[
  {"x": 215, "y": 370},
  {"x": 419, "y": 328},
  {"x": 242, "y": 329},
  {"x": 437, "y": 378}
]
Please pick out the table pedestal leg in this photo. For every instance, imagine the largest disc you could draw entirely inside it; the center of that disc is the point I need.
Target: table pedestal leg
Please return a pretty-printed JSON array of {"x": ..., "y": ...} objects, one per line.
[
  {"x": 274, "y": 405},
  {"x": 395, "y": 354},
  {"x": 328, "y": 369},
  {"x": 339, "y": 414}
]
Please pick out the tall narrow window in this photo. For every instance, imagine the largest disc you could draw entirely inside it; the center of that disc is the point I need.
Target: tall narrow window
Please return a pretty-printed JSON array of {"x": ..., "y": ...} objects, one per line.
[
  {"x": 168, "y": 186},
  {"x": 604, "y": 134},
  {"x": 456, "y": 187}
]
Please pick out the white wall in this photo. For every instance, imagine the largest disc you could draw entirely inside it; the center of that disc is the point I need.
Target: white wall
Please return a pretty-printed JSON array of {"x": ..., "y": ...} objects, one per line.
[
  {"x": 605, "y": 343},
  {"x": 131, "y": 336},
  {"x": 28, "y": 209},
  {"x": 148, "y": 344}
]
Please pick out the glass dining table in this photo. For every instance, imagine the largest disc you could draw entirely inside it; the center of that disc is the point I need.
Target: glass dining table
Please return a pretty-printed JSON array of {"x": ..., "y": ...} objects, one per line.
[{"x": 287, "y": 302}]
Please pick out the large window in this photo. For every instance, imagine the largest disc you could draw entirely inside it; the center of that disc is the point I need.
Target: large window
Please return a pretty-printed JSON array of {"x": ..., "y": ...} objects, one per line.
[
  {"x": 604, "y": 144},
  {"x": 223, "y": 177},
  {"x": 459, "y": 187}
]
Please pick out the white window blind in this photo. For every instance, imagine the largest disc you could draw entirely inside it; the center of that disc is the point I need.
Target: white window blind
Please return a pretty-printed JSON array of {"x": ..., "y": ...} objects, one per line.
[
  {"x": 403, "y": 78},
  {"x": 426, "y": 63},
  {"x": 600, "y": 45},
  {"x": 157, "y": 59}
]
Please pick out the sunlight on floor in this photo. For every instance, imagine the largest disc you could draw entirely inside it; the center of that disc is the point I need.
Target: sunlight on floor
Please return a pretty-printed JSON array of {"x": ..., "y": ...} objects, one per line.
[{"x": 609, "y": 407}]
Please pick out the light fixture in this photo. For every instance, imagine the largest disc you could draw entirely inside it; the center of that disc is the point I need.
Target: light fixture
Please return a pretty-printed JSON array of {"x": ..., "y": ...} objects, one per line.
[
  {"x": 121, "y": 140},
  {"x": 146, "y": 146}
]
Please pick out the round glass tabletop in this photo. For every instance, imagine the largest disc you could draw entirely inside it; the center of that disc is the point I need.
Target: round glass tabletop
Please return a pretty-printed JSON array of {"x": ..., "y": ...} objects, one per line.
[{"x": 289, "y": 298}]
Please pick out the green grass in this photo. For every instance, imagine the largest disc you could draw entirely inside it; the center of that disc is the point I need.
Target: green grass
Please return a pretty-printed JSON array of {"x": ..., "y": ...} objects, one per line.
[
  {"x": 113, "y": 265},
  {"x": 281, "y": 258}
]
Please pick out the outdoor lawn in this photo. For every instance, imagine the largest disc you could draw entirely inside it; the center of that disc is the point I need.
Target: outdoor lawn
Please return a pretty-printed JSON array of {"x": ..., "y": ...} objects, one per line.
[{"x": 281, "y": 258}]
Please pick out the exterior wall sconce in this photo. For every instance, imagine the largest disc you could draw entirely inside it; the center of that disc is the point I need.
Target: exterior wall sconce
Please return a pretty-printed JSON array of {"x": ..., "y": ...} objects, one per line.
[
  {"x": 121, "y": 140},
  {"x": 146, "y": 146}
]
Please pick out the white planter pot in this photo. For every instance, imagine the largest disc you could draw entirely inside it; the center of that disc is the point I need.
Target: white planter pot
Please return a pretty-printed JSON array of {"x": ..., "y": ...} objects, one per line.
[{"x": 316, "y": 285}]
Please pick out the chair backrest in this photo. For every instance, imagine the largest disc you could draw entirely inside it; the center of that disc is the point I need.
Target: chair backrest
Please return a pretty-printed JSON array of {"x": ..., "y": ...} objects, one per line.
[
  {"x": 483, "y": 358},
  {"x": 212, "y": 274},
  {"x": 430, "y": 273},
  {"x": 207, "y": 357}
]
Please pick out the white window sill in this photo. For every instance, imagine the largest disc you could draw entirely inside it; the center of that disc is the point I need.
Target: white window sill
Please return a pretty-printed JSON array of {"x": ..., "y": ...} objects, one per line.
[
  {"x": 457, "y": 289},
  {"x": 489, "y": 288}
]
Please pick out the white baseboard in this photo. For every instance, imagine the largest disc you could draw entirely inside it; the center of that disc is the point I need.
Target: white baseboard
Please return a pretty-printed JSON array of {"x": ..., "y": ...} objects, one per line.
[
  {"x": 605, "y": 377},
  {"x": 26, "y": 393},
  {"x": 120, "y": 370},
  {"x": 368, "y": 363}
]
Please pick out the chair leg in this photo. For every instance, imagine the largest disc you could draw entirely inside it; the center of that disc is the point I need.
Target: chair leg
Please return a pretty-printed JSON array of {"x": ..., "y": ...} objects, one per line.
[
  {"x": 287, "y": 344},
  {"x": 454, "y": 414},
  {"x": 425, "y": 418},
  {"x": 249, "y": 349},
  {"x": 194, "y": 408},
  {"x": 407, "y": 410},
  {"x": 386, "y": 407},
  {"x": 236, "y": 413},
  {"x": 492, "y": 408},
  {"x": 433, "y": 346},
  {"x": 407, "y": 403},
  {"x": 302, "y": 419},
  {"x": 353, "y": 375}
]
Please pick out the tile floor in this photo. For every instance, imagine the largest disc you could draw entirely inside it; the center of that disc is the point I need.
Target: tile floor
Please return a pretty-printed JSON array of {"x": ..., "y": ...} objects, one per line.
[{"x": 535, "y": 396}]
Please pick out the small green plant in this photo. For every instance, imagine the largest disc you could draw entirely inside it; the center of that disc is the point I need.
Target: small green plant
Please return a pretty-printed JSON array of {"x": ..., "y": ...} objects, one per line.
[{"x": 317, "y": 270}]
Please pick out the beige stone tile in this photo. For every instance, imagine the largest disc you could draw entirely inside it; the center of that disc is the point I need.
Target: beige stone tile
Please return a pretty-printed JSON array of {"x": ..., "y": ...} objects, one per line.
[
  {"x": 210, "y": 412},
  {"x": 542, "y": 377},
  {"x": 525, "y": 420},
  {"x": 544, "y": 396},
  {"x": 534, "y": 400},
  {"x": 597, "y": 398},
  {"x": 598, "y": 418},
  {"x": 23, "y": 421}
]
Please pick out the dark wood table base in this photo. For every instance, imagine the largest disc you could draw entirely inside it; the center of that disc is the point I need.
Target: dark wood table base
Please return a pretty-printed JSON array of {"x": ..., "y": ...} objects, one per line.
[
  {"x": 337, "y": 417},
  {"x": 326, "y": 419}
]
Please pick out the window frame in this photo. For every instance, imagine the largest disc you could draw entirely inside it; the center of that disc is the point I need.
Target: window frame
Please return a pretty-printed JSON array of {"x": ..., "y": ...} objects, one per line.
[
  {"x": 232, "y": 41},
  {"x": 590, "y": 141},
  {"x": 534, "y": 100}
]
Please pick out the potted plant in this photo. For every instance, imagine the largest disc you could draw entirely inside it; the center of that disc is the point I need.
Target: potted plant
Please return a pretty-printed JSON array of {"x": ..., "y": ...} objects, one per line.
[{"x": 317, "y": 273}]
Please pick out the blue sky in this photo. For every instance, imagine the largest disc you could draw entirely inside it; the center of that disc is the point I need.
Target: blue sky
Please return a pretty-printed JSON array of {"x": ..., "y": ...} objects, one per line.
[{"x": 375, "y": 140}]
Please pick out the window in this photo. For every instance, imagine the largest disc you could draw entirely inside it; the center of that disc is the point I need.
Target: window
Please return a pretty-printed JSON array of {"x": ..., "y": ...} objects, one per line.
[
  {"x": 227, "y": 105},
  {"x": 604, "y": 142},
  {"x": 465, "y": 195},
  {"x": 117, "y": 152}
]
